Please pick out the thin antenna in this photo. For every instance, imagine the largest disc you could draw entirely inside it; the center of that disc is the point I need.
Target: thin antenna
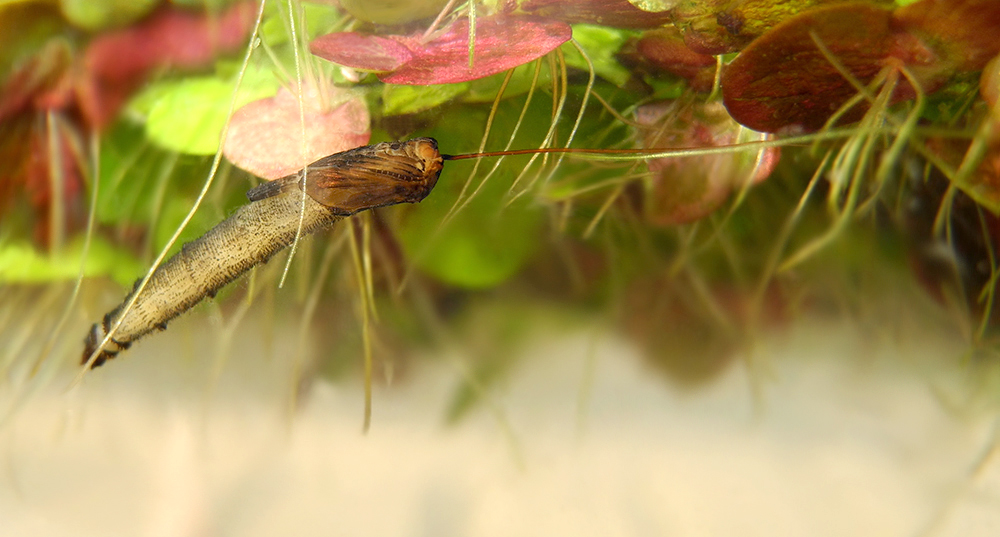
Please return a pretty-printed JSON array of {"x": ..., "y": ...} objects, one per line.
[
  {"x": 579, "y": 150},
  {"x": 652, "y": 153}
]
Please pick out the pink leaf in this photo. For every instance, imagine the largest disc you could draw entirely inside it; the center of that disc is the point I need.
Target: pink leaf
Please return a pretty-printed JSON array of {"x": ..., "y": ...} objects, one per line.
[
  {"x": 502, "y": 42},
  {"x": 265, "y": 136},
  {"x": 361, "y": 51},
  {"x": 686, "y": 189}
]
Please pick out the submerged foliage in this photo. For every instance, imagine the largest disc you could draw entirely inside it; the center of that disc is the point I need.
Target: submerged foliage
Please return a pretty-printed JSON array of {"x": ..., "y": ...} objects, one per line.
[{"x": 772, "y": 131}]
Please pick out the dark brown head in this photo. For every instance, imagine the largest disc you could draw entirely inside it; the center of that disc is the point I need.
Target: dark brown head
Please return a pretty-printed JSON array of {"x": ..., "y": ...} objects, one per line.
[{"x": 376, "y": 175}]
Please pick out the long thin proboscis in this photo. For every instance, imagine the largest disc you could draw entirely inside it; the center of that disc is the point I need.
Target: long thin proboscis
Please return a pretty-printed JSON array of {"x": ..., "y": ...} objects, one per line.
[{"x": 653, "y": 153}]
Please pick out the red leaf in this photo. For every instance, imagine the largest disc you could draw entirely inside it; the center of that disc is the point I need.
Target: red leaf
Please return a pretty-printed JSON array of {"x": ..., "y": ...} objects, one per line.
[
  {"x": 502, "y": 42},
  {"x": 783, "y": 79},
  {"x": 666, "y": 50},
  {"x": 34, "y": 85},
  {"x": 265, "y": 136},
  {"x": 38, "y": 176},
  {"x": 169, "y": 37},
  {"x": 962, "y": 32}
]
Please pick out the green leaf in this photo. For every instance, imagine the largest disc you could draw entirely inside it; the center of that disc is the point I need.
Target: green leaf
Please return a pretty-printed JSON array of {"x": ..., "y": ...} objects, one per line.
[
  {"x": 484, "y": 90},
  {"x": 213, "y": 5},
  {"x": 101, "y": 14},
  {"x": 398, "y": 100},
  {"x": 188, "y": 115},
  {"x": 22, "y": 263},
  {"x": 128, "y": 174},
  {"x": 601, "y": 44},
  {"x": 319, "y": 19},
  {"x": 666, "y": 88},
  {"x": 483, "y": 245}
]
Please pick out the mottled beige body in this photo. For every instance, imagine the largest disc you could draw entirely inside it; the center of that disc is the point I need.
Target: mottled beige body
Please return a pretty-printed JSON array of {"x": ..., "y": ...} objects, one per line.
[{"x": 249, "y": 237}]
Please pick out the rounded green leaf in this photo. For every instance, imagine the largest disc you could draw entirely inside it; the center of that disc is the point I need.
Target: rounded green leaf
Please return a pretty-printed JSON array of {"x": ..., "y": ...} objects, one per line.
[
  {"x": 318, "y": 18},
  {"x": 23, "y": 263},
  {"x": 100, "y": 14},
  {"x": 484, "y": 245},
  {"x": 601, "y": 44},
  {"x": 188, "y": 116},
  {"x": 398, "y": 100}
]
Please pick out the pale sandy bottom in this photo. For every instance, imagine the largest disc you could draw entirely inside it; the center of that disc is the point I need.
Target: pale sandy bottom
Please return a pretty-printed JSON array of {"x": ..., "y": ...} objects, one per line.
[{"x": 849, "y": 437}]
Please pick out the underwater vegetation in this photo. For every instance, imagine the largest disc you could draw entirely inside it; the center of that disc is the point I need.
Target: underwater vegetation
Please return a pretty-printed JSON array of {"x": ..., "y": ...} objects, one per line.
[{"x": 729, "y": 165}]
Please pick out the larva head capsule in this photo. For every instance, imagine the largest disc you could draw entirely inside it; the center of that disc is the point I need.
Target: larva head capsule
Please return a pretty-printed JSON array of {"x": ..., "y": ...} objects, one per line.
[{"x": 424, "y": 155}]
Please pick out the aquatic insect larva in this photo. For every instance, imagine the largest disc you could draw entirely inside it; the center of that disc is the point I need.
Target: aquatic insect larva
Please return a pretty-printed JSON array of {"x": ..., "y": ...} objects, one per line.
[{"x": 338, "y": 185}]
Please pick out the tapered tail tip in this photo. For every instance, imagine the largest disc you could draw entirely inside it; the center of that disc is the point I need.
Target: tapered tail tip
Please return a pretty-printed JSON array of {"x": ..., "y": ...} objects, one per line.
[{"x": 93, "y": 339}]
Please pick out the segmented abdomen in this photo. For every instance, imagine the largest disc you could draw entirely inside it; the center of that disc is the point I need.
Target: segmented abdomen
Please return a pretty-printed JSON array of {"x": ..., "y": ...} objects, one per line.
[{"x": 249, "y": 237}]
